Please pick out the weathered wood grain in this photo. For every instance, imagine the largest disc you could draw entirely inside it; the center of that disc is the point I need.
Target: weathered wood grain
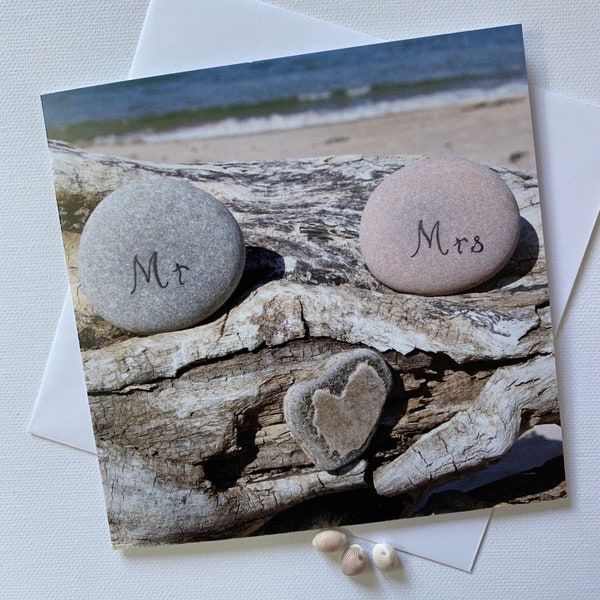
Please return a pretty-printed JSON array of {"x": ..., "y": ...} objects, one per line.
[{"x": 189, "y": 424}]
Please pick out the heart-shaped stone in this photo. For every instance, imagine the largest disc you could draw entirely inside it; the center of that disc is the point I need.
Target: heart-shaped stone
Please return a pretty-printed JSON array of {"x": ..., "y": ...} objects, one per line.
[{"x": 334, "y": 412}]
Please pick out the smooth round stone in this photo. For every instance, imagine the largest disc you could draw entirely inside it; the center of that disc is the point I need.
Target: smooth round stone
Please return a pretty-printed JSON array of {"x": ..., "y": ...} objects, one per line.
[
  {"x": 439, "y": 226},
  {"x": 159, "y": 255}
]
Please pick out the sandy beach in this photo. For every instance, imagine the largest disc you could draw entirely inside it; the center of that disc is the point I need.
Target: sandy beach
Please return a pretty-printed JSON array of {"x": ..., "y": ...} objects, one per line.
[{"x": 497, "y": 132}]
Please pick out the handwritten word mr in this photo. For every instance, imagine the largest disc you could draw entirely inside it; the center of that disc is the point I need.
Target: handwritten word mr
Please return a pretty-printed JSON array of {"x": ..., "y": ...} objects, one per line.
[{"x": 151, "y": 273}]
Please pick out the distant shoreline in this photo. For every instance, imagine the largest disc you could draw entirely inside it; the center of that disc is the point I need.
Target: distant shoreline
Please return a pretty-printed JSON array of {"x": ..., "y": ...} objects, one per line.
[
  {"x": 494, "y": 131},
  {"x": 265, "y": 117}
]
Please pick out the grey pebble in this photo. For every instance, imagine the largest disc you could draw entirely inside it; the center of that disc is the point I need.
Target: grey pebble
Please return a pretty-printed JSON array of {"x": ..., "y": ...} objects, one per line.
[
  {"x": 159, "y": 255},
  {"x": 439, "y": 226},
  {"x": 333, "y": 413}
]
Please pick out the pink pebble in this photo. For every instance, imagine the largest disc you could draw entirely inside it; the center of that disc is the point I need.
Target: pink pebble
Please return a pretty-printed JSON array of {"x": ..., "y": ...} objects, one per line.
[{"x": 439, "y": 226}]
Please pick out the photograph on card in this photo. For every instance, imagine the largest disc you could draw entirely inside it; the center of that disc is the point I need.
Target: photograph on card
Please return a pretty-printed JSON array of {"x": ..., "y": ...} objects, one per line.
[{"x": 311, "y": 291}]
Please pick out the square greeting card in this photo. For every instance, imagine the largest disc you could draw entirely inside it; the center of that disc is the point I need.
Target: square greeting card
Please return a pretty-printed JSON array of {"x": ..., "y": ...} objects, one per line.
[{"x": 311, "y": 291}]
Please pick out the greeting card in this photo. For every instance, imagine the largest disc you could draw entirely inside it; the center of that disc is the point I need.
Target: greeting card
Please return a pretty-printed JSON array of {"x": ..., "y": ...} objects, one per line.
[{"x": 310, "y": 291}]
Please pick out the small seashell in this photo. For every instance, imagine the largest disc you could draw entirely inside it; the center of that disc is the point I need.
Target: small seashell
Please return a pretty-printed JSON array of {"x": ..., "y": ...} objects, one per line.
[
  {"x": 329, "y": 540},
  {"x": 354, "y": 560},
  {"x": 384, "y": 557}
]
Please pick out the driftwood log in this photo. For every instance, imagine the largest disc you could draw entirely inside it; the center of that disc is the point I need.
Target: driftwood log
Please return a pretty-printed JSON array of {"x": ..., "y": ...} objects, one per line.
[{"x": 189, "y": 427}]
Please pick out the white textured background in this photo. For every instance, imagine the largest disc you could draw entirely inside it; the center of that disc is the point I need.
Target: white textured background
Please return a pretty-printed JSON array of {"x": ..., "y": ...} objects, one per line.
[{"x": 54, "y": 536}]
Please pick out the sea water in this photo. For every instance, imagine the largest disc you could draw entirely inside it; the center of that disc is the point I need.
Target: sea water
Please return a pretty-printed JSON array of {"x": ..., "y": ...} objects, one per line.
[{"x": 299, "y": 91}]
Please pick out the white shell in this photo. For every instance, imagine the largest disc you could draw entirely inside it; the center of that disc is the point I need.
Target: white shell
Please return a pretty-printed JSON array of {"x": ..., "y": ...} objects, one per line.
[
  {"x": 384, "y": 557},
  {"x": 329, "y": 540},
  {"x": 354, "y": 560}
]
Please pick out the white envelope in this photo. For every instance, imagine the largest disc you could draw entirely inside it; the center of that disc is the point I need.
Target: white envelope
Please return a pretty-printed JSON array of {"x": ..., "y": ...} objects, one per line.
[{"x": 203, "y": 33}]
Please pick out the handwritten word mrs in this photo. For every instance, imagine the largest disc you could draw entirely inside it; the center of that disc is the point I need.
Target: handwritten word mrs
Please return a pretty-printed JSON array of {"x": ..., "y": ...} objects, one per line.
[{"x": 462, "y": 244}]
